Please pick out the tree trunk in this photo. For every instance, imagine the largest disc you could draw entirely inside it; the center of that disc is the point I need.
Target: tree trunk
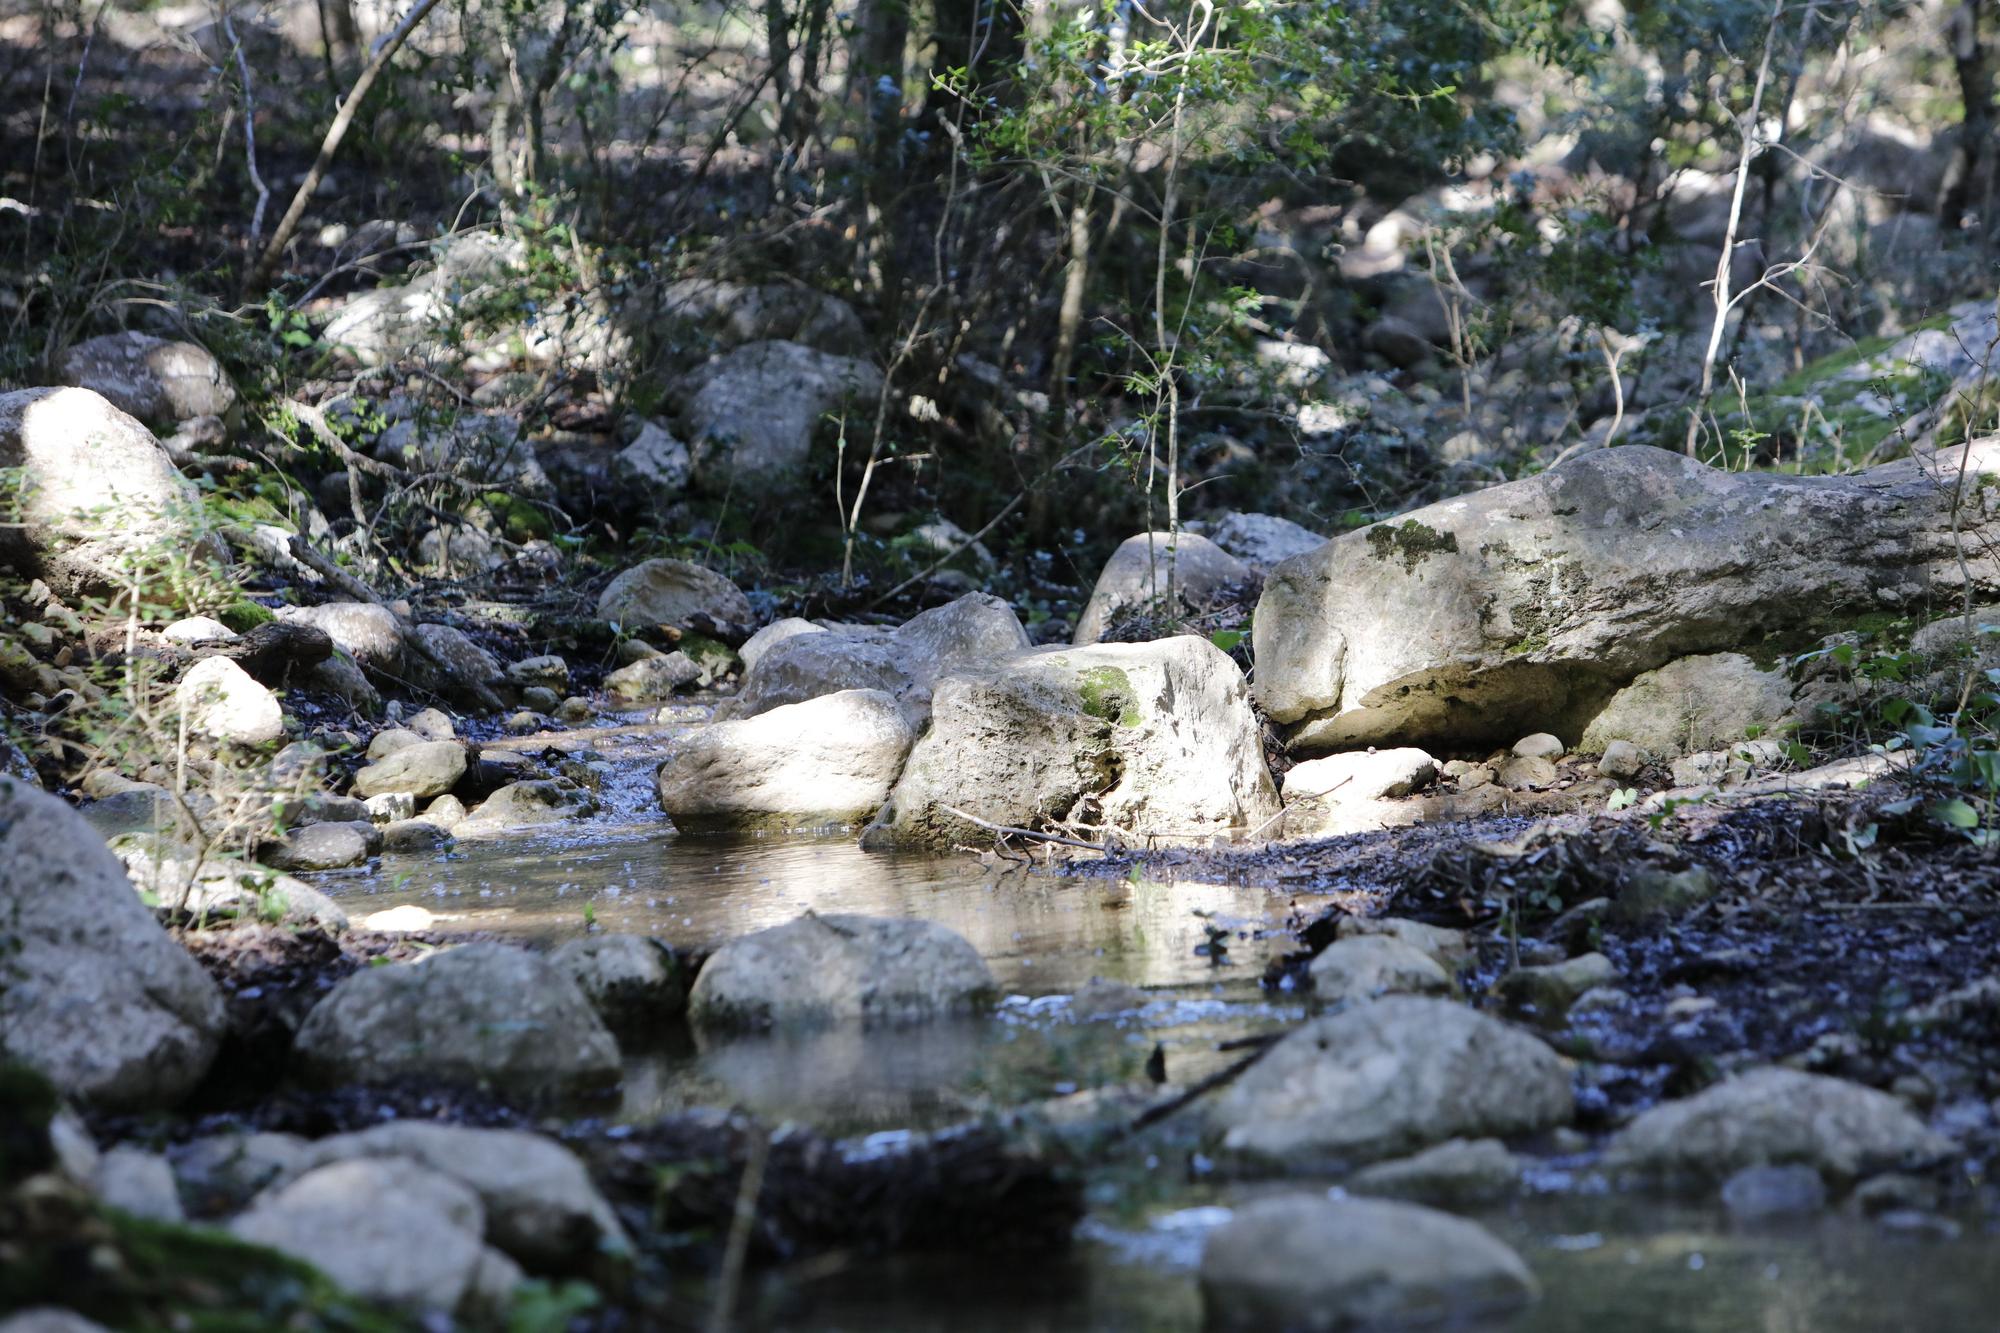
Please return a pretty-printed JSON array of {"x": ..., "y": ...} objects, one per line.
[{"x": 1975, "y": 82}]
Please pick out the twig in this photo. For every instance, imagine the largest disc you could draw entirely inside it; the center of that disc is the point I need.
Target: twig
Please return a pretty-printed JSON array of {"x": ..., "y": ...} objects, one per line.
[
  {"x": 1154, "y": 1114},
  {"x": 249, "y": 129},
  {"x": 721, "y": 1316},
  {"x": 1009, "y": 830}
]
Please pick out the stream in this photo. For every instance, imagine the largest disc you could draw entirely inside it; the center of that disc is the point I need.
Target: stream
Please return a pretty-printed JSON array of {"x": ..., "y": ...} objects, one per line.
[{"x": 1606, "y": 1261}]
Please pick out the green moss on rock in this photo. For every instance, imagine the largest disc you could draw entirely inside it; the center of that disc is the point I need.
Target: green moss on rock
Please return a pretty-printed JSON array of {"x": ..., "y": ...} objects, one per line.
[{"x": 1410, "y": 541}]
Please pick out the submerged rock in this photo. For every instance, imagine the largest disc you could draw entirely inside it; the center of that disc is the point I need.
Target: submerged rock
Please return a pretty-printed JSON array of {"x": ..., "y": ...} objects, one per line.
[
  {"x": 829, "y": 760},
  {"x": 1153, "y": 740},
  {"x": 481, "y": 1014},
  {"x": 1143, "y": 569},
  {"x": 97, "y": 998},
  {"x": 1386, "y": 1078},
  {"x": 1775, "y": 1117},
  {"x": 1309, "y": 1262},
  {"x": 823, "y": 969}
]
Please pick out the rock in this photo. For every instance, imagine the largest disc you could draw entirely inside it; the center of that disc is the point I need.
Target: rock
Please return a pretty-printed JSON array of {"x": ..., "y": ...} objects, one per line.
[
  {"x": 390, "y": 806},
  {"x": 751, "y": 413},
  {"x": 1535, "y": 600},
  {"x": 525, "y": 805},
  {"x": 452, "y": 665},
  {"x": 733, "y": 314},
  {"x": 1775, "y": 1117},
  {"x": 629, "y": 979},
  {"x": 1546, "y": 993},
  {"x": 539, "y": 701},
  {"x": 1262, "y": 540},
  {"x": 216, "y": 888},
  {"x": 829, "y": 760},
  {"x": 446, "y": 812},
  {"x": 1308, "y": 1262},
  {"x": 367, "y": 633},
  {"x": 427, "y": 768},
  {"x": 1155, "y": 739},
  {"x": 655, "y": 464},
  {"x": 415, "y": 835},
  {"x": 573, "y": 711},
  {"x": 97, "y": 998},
  {"x": 1457, "y": 1173},
  {"x": 671, "y": 592},
  {"x": 388, "y": 1231},
  {"x": 1143, "y": 568},
  {"x": 823, "y": 969},
  {"x": 222, "y": 703},
  {"x": 1361, "y": 967},
  {"x": 1702, "y": 702},
  {"x": 651, "y": 679},
  {"x": 387, "y": 323},
  {"x": 430, "y": 724},
  {"x": 1450, "y": 947},
  {"x": 340, "y": 677},
  {"x": 389, "y": 741},
  {"x": 153, "y": 379},
  {"x": 1354, "y": 792},
  {"x": 223, "y": 1171},
  {"x": 1759, "y": 1193},
  {"x": 197, "y": 630},
  {"x": 138, "y": 1182},
  {"x": 323, "y": 847},
  {"x": 1520, "y": 774},
  {"x": 1385, "y": 1079},
  {"x": 1649, "y": 892},
  {"x": 1397, "y": 341},
  {"x": 772, "y": 635},
  {"x": 481, "y": 1014},
  {"x": 548, "y": 670},
  {"x": 540, "y": 1206},
  {"x": 1541, "y": 745},
  {"x": 405, "y": 919},
  {"x": 1621, "y": 760},
  {"x": 970, "y": 633},
  {"x": 48, "y": 1319},
  {"x": 100, "y": 493}
]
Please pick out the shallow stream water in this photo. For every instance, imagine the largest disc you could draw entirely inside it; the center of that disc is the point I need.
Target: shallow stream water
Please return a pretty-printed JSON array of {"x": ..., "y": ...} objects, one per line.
[{"x": 1606, "y": 1261}]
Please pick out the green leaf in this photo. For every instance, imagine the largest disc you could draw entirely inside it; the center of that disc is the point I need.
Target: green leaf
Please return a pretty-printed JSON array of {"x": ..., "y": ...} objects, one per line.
[
  {"x": 1226, "y": 639},
  {"x": 1955, "y": 813}
]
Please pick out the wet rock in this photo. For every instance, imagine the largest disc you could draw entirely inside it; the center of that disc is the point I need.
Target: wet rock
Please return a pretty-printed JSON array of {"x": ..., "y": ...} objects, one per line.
[
  {"x": 482, "y": 1014},
  {"x": 1143, "y": 568},
  {"x": 629, "y": 979},
  {"x": 1545, "y": 993},
  {"x": 671, "y": 592},
  {"x": 540, "y": 1206},
  {"x": 526, "y": 805},
  {"x": 823, "y": 969},
  {"x": 1362, "y": 967},
  {"x": 1456, "y": 1174},
  {"x": 138, "y": 1182},
  {"x": 1760, "y": 1193},
  {"x": 415, "y": 835},
  {"x": 1473, "y": 618},
  {"x": 830, "y": 760},
  {"x": 967, "y": 634},
  {"x": 218, "y": 889},
  {"x": 1354, "y": 792},
  {"x": 1309, "y": 1262},
  {"x": 221, "y": 702},
  {"x": 1773, "y": 1117},
  {"x": 1541, "y": 745},
  {"x": 1450, "y": 947},
  {"x": 428, "y": 768},
  {"x": 1383, "y": 1079},
  {"x": 98, "y": 999},
  {"x": 1262, "y": 540},
  {"x": 1621, "y": 760},
  {"x": 389, "y": 1231},
  {"x": 323, "y": 847},
  {"x": 153, "y": 379},
  {"x": 1155, "y": 739},
  {"x": 751, "y": 413},
  {"x": 651, "y": 679}
]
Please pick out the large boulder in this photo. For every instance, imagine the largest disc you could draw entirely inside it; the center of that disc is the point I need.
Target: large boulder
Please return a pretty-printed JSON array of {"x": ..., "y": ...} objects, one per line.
[
  {"x": 830, "y": 760},
  {"x": 1145, "y": 569},
  {"x": 1311, "y": 1264},
  {"x": 671, "y": 592},
  {"x": 825, "y": 969},
  {"x": 973, "y": 632},
  {"x": 100, "y": 498},
  {"x": 1775, "y": 1117},
  {"x": 152, "y": 378},
  {"x": 750, "y": 414},
  {"x": 1385, "y": 1079},
  {"x": 483, "y": 1014},
  {"x": 1523, "y": 607},
  {"x": 93, "y": 994},
  {"x": 1155, "y": 740}
]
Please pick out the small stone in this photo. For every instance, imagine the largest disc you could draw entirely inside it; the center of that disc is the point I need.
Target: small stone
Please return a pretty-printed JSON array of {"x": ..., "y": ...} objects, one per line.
[
  {"x": 447, "y": 812},
  {"x": 1546, "y": 993},
  {"x": 429, "y": 768},
  {"x": 197, "y": 630},
  {"x": 399, "y": 920},
  {"x": 415, "y": 835},
  {"x": 323, "y": 847},
  {"x": 1450, "y": 947},
  {"x": 1759, "y": 1193},
  {"x": 549, "y": 671},
  {"x": 524, "y": 723},
  {"x": 1526, "y": 774},
  {"x": 1621, "y": 760},
  {"x": 431, "y": 724},
  {"x": 1681, "y": 1009},
  {"x": 391, "y": 739},
  {"x": 1600, "y": 999},
  {"x": 222, "y": 702},
  {"x": 540, "y": 699},
  {"x": 389, "y": 806},
  {"x": 573, "y": 710},
  {"x": 651, "y": 679},
  {"x": 1541, "y": 745}
]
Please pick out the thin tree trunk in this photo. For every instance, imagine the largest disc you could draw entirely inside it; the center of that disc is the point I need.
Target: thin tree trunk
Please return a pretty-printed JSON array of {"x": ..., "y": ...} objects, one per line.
[{"x": 1975, "y": 83}]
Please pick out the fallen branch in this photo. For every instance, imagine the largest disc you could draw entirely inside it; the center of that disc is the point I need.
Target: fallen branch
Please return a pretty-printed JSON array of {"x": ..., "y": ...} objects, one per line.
[
  {"x": 1154, "y": 1114},
  {"x": 1008, "y": 830}
]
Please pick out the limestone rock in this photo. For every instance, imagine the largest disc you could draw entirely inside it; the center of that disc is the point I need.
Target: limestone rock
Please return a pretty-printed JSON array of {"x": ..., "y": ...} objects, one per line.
[
  {"x": 1144, "y": 567},
  {"x": 1450, "y": 947},
  {"x": 330, "y": 846},
  {"x": 480, "y": 1014},
  {"x": 1354, "y": 792},
  {"x": 155, "y": 380},
  {"x": 367, "y": 633},
  {"x": 655, "y": 464},
  {"x": 1319, "y": 1265},
  {"x": 427, "y": 768},
  {"x": 526, "y": 805},
  {"x": 671, "y": 592},
  {"x": 651, "y": 679},
  {"x": 1545, "y": 993},
  {"x": 629, "y": 979},
  {"x": 93, "y": 994},
  {"x": 222, "y": 703},
  {"x": 138, "y": 1182},
  {"x": 1156, "y": 739},
  {"x": 1383, "y": 1079},
  {"x": 1621, "y": 760},
  {"x": 829, "y": 760},
  {"x": 1702, "y": 702},
  {"x": 216, "y": 888},
  {"x": 1362, "y": 967},
  {"x": 751, "y": 413},
  {"x": 1458, "y": 1172},
  {"x": 823, "y": 969},
  {"x": 1534, "y": 601},
  {"x": 1261, "y": 541}
]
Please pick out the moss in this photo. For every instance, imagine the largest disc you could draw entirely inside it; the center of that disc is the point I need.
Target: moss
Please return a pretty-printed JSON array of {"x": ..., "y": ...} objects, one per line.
[
  {"x": 519, "y": 521},
  {"x": 1107, "y": 693},
  {"x": 1534, "y": 643},
  {"x": 711, "y": 654},
  {"x": 1409, "y": 541},
  {"x": 244, "y": 615}
]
